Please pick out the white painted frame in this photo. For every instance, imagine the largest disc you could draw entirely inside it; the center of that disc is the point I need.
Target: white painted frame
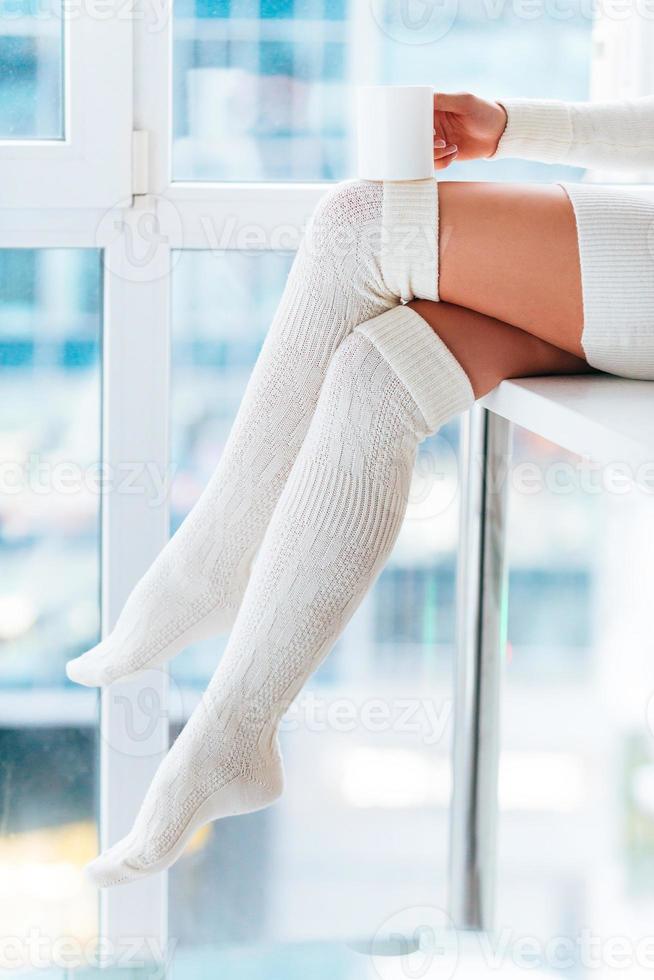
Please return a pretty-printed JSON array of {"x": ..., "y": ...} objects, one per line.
[
  {"x": 91, "y": 166},
  {"x": 135, "y": 430},
  {"x": 135, "y": 409}
]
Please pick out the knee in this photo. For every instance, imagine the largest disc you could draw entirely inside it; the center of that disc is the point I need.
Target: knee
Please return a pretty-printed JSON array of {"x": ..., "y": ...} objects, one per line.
[
  {"x": 349, "y": 201},
  {"x": 346, "y": 214}
]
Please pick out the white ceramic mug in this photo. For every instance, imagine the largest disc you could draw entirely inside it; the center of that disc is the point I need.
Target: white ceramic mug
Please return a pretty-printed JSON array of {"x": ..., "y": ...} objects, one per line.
[{"x": 395, "y": 132}]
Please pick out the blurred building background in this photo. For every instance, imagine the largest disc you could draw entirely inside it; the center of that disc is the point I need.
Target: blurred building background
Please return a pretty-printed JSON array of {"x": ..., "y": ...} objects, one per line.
[{"x": 263, "y": 92}]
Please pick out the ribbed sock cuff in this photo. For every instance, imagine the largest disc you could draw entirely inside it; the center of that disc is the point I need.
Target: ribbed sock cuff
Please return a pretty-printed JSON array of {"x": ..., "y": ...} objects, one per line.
[
  {"x": 409, "y": 238},
  {"x": 427, "y": 368}
]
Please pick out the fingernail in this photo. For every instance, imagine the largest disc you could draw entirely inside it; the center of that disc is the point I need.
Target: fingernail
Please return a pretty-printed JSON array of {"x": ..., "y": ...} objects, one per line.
[{"x": 440, "y": 144}]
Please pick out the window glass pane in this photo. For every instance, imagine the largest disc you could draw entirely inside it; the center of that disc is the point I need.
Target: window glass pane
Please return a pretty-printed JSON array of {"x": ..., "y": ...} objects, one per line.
[
  {"x": 577, "y": 804},
  {"x": 31, "y": 69},
  {"x": 361, "y": 830},
  {"x": 49, "y": 568},
  {"x": 263, "y": 88}
]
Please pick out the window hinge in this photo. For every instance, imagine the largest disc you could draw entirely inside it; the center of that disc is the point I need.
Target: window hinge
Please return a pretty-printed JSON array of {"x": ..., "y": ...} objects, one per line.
[{"x": 140, "y": 162}]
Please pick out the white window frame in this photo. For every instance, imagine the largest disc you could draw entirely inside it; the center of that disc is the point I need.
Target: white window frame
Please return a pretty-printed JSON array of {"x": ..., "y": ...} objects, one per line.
[
  {"x": 87, "y": 192},
  {"x": 137, "y": 333},
  {"x": 91, "y": 165}
]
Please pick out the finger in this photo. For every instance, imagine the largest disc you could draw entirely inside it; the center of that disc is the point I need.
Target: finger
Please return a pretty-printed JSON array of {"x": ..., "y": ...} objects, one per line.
[
  {"x": 445, "y": 162},
  {"x": 441, "y": 154}
]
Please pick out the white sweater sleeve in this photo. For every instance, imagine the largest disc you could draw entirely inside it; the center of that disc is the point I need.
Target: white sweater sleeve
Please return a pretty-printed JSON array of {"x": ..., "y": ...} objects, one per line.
[{"x": 601, "y": 135}]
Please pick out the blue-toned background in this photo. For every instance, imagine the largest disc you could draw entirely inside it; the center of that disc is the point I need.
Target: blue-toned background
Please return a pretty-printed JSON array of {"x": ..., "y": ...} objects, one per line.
[{"x": 263, "y": 91}]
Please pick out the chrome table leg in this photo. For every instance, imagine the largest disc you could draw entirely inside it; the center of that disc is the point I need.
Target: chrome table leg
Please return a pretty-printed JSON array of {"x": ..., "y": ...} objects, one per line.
[{"x": 481, "y": 627}]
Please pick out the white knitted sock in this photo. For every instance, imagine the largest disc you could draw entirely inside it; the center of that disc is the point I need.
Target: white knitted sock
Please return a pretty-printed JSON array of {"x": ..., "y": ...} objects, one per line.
[
  {"x": 367, "y": 246},
  {"x": 390, "y": 384}
]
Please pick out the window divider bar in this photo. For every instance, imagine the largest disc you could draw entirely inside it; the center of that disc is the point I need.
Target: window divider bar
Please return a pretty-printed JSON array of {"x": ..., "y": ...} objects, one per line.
[
  {"x": 153, "y": 87},
  {"x": 134, "y": 713}
]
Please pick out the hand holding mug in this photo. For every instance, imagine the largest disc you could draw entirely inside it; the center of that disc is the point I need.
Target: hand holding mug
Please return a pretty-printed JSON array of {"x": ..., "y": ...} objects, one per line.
[{"x": 465, "y": 128}]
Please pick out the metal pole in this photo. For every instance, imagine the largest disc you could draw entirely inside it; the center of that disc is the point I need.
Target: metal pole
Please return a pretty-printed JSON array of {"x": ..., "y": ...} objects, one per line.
[{"x": 481, "y": 597}]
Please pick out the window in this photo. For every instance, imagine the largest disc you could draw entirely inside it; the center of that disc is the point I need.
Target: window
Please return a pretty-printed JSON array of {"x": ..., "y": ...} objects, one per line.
[
  {"x": 31, "y": 73},
  {"x": 222, "y": 304},
  {"x": 261, "y": 90},
  {"x": 155, "y": 175},
  {"x": 50, "y": 326},
  {"x": 576, "y": 764},
  {"x": 65, "y": 105}
]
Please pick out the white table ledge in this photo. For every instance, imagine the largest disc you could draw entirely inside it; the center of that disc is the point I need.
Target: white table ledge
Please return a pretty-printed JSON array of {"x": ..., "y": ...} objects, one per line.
[{"x": 604, "y": 418}]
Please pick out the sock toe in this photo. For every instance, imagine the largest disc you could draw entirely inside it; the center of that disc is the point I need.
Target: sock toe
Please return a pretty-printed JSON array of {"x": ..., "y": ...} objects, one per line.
[
  {"x": 88, "y": 669},
  {"x": 111, "y": 867},
  {"x": 78, "y": 672}
]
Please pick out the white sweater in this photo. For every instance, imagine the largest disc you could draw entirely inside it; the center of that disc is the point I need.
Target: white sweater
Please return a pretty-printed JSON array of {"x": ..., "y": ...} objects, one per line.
[{"x": 603, "y": 135}]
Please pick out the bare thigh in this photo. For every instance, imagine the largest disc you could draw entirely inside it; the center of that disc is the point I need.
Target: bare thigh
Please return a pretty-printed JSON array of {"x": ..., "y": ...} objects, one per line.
[
  {"x": 510, "y": 251},
  {"x": 490, "y": 351}
]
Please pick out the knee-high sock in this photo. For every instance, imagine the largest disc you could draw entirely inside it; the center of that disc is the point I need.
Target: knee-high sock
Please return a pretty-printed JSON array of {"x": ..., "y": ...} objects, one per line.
[
  {"x": 391, "y": 383},
  {"x": 367, "y": 246}
]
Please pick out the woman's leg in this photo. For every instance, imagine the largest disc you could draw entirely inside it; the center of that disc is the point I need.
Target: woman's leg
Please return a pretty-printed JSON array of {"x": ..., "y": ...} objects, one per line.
[
  {"x": 390, "y": 384},
  {"x": 367, "y": 246},
  {"x": 490, "y": 351},
  {"x": 511, "y": 251},
  {"x": 506, "y": 251}
]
